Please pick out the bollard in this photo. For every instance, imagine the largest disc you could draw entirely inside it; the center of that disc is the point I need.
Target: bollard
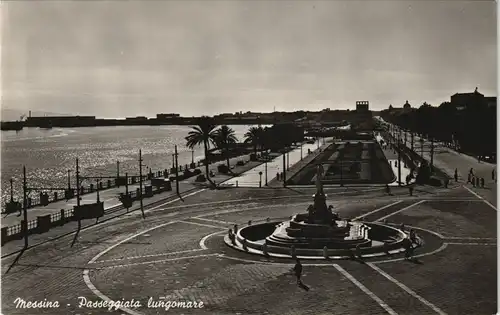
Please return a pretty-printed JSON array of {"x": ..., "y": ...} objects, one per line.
[
  {"x": 264, "y": 249},
  {"x": 235, "y": 229},
  {"x": 325, "y": 252},
  {"x": 244, "y": 244},
  {"x": 292, "y": 250}
]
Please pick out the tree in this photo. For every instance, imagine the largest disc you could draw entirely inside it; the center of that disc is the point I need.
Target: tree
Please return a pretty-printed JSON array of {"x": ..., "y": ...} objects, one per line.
[
  {"x": 203, "y": 133},
  {"x": 254, "y": 135},
  {"x": 225, "y": 138}
]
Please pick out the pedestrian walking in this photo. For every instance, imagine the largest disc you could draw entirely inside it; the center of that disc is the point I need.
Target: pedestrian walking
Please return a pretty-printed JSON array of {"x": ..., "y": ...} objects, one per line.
[
  {"x": 446, "y": 182},
  {"x": 387, "y": 189},
  {"x": 298, "y": 271},
  {"x": 477, "y": 182},
  {"x": 358, "y": 252},
  {"x": 408, "y": 249},
  {"x": 482, "y": 182},
  {"x": 456, "y": 175},
  {"x": 471, "y": 171},
  {"x": 278, "y": 176},
  {"x": 473, "y": 179}
]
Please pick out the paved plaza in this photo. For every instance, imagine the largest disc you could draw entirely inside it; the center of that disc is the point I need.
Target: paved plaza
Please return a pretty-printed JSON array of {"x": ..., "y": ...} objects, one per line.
[{"x": 178, "y": 254}]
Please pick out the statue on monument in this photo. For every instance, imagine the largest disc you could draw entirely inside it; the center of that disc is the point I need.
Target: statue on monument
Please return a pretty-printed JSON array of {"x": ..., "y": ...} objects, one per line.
[{"x": 319, "y": 177}]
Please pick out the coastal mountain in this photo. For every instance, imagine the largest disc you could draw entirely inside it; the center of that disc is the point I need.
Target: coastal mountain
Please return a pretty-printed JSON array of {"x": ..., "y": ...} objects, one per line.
[{"x": 9, "y": 114}]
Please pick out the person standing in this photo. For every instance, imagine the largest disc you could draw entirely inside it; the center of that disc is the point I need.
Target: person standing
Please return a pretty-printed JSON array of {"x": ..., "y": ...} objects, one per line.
[
  {"x": 456, "y": 175},
  {"x": 298, "y": 271}
]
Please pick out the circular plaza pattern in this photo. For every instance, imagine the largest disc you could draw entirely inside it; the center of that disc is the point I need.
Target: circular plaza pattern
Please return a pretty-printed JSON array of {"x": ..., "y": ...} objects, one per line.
[
  {"x": 177, "y": 254},
  {"x": 189, "y": 259}
]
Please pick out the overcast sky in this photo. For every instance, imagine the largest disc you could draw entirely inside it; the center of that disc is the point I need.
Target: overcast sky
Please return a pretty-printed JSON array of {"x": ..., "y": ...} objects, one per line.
[{"x": 125, "y": 58}]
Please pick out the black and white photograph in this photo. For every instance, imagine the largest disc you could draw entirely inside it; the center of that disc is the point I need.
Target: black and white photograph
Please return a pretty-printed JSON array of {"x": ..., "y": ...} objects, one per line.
[{"x": 248, "y": 157}]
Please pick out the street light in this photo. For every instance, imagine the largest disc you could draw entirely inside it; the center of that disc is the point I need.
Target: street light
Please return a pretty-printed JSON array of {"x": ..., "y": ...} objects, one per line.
[
  {"x": 69, "y": 181},
  {"x": 265, "y": 165}
]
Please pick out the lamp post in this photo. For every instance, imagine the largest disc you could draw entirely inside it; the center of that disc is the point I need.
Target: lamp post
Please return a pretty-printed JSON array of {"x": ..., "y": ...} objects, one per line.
[
  {"x": 140, "y": 182},
  {"x": 265, "y": 165},
  {"x": 25, "y": 209},
  {"x": 412, "y": 140},
  {"x": 192, "y": 156},
  {"x": 287, "y": 160},
  {"x": 98, "y": 184},
  {"x": 301, "y": 144},
  {"x": 260, "y": 179},
  {"x": 69, "y": 180},
  {"x": 432, "y": 153},
  {"x": 11, "y": 190},
  {"x": 176, "y": 155},
  {"x": 284, "y": 169}
]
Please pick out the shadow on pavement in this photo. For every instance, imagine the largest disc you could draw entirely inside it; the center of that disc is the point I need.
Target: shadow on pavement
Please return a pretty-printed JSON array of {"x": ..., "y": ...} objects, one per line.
[
  {"x": 15, "y": 260},
  {"x": 303, "y": 286}
]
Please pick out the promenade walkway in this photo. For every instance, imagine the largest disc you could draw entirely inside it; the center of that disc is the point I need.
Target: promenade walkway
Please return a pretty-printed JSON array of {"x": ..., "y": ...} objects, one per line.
[
  {"x": 447, "y": 160},
  {"x": 251, "y": 178}
]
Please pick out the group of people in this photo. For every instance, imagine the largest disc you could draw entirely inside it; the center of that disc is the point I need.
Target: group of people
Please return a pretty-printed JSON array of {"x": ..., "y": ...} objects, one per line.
[
  {"x": 279, "y": 176},
  {"x": 476, "y": 181}
]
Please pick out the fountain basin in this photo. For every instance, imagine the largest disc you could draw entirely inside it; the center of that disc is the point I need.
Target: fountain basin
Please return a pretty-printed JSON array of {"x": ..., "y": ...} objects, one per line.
[{"x": 262, "y": 239}]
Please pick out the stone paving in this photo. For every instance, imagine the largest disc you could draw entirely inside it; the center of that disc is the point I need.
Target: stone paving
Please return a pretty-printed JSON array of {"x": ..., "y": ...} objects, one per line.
[{"x": 177, "y": 253}]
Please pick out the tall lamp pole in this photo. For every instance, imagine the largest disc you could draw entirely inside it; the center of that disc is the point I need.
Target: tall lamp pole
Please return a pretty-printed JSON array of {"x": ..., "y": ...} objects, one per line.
[
  {"x": 69, "y": 180},
  {"x": 284, "y": 169},
  {"x": 265, "y": 165},
  {"x": 25, "y": 209},
  {"x": 177, "y": 169},
  {"x": 399, "y": 161},
  {"x": 78, "y": 193},
  {"x": 432, "y": 153},
  {"x": 140, "y": 182}
]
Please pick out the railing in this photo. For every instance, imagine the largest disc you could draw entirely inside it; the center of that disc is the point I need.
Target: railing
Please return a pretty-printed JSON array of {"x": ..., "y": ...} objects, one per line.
[
  {"x": 59, "y": 195},
  {"x": 65, "y": 215}
]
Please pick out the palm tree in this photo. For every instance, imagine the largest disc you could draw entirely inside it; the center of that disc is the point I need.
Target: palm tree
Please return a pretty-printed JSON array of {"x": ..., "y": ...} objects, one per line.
[
  {"x": 225, "y": 138},
  {"x": 254, "y": 136},
  {"x": 203, "y": 133}
]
